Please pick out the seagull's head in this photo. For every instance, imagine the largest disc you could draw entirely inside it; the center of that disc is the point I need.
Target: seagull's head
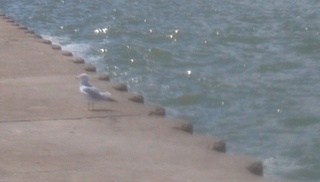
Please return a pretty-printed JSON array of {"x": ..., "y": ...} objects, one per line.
[{"x": 84, "y": 78}]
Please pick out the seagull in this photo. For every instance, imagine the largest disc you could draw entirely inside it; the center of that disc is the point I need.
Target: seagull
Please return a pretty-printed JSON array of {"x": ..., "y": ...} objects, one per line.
[{"x": 91, "y": 93}]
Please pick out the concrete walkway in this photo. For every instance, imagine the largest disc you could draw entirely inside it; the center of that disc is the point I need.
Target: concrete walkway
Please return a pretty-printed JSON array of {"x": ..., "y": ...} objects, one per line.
[{"x": 47, "y": 134}]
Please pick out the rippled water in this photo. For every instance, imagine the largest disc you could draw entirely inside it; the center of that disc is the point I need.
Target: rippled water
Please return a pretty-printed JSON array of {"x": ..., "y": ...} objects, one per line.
[{"x": 243, "y": 71}]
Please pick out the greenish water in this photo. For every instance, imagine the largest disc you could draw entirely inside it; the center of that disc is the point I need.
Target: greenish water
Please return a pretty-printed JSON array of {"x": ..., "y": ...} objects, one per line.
[{"x": 243, "y": 71}]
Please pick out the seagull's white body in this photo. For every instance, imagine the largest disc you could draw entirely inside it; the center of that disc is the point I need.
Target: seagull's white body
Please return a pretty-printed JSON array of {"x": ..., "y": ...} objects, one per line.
[{"x": 92, "y": 94}]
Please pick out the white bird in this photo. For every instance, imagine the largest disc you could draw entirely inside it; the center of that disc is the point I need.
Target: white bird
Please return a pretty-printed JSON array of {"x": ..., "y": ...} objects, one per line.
[{"x": 92, "y": 94}]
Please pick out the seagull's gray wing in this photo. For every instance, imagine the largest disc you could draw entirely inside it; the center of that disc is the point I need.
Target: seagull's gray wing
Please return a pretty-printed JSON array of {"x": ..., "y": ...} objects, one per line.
[{"x": 93, "y": 93}]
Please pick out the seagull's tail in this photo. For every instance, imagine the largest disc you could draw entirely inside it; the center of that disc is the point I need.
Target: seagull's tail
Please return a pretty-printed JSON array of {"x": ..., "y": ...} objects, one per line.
[{"x": 107, "y": 96}]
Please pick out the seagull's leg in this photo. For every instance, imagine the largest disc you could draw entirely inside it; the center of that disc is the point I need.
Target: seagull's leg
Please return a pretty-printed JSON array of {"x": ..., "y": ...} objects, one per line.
[
  {"x": 92, "y": 105},
  {"x": 88, "y": 106}
]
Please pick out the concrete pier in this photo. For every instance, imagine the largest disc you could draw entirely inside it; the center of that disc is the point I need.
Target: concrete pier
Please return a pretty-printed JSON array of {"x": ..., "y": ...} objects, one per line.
[{"x": 47, "y": 133}]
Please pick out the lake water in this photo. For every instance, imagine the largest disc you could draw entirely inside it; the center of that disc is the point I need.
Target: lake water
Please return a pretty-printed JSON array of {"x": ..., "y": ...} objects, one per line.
[{"x": 243, "y": 71}]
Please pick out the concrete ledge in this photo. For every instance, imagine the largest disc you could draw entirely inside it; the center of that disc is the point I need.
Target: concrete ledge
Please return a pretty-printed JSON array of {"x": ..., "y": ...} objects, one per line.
[
  {"x": 77, "y": 60},
  {"x": 47, "y": 134},
  {"x": 121, "y": 87},
  {"x": 90, "y": 68},
  {"x": 136, "y": 98}
]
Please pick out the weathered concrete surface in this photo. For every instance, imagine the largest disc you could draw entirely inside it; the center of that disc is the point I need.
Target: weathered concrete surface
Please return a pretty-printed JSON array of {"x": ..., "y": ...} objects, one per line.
[{"x": 46, "y": 133}]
